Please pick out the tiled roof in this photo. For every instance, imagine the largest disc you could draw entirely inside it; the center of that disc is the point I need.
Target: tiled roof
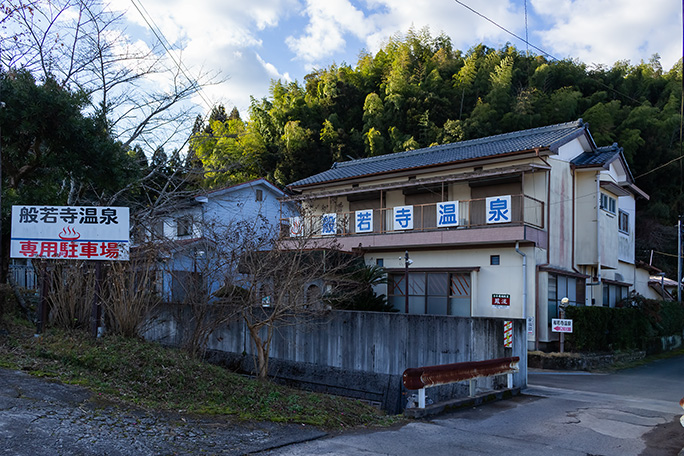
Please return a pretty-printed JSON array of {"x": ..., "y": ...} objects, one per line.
[
  {"x": 600, "y": 157},
  {"x": 544, "y": 137}
]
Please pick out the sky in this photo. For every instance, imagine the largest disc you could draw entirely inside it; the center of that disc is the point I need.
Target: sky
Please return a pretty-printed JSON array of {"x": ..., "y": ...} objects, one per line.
[{"x": 250, "y": 43}]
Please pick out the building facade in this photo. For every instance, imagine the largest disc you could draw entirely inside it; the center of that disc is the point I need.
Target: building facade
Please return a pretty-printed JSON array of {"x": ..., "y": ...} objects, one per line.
[
  {"x": 197, "y": 234},
  {"x": 503, "y": 227}
]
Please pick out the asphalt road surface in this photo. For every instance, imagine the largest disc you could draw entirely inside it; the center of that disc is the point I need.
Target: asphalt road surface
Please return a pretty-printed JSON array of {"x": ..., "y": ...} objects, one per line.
[{"x": 633, "y": 412}]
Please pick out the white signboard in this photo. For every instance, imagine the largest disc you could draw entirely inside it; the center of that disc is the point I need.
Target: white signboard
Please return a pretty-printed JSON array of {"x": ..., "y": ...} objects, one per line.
[
  {"x": 329, "y": 224},
  {"x": 364, "y": 221},
  {"x": 560, "y": 325},
  {"x": 70, "y": 232},
  {"x": 447, "y": 214},
  {"x": 499, "y": 209},
  {"x": 403, "y": 218},
  {"x": 296, "y": 227}
]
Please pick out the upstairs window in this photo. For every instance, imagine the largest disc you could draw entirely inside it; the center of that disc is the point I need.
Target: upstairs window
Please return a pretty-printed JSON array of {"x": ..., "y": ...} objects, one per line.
[
  {"x": 623, "y": 222},
  {"x": 184, "y": 226},
  {"x": 259, "y": 195},
  {"x": 608, "y": 203}
]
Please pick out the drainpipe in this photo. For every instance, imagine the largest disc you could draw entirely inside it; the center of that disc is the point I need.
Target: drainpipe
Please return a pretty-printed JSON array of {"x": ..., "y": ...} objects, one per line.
[
  {"x": 598, "y": 237},
  {"x": 524, "y": 297},
  {"x": 598, "y": 230},
  {"x": 598, "y": 224}
]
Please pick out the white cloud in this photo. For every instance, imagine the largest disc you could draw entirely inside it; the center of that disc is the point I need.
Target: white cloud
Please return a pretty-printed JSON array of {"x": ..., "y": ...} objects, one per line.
[
  {"x": 605, "y": 31},
  {"x": 465, "y": 28},
  {"x": 272, "y": 70},
  {"x": 252, "y": 42},
  {"x": 329, "y": 21}
]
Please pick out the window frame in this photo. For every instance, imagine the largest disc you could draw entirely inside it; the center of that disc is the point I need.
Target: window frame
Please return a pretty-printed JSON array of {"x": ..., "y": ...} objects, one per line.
[
  {"x": 623, "y": 221},
  {"x": 427, "y": 298},
  {"x": 184, "y": 226},
  {"x": 608, "y": 203}
]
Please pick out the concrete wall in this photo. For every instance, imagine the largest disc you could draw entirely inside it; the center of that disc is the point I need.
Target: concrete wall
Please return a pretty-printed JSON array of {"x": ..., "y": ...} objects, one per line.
[{"x": 363, "y": 354}]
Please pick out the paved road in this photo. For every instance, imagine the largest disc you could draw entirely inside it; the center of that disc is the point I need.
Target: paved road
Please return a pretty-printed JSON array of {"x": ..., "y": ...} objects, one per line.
[{"x": 634, "y": 412}]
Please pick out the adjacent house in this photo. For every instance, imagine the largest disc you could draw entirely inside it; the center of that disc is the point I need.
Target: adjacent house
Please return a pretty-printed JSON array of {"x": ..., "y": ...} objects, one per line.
[
  {"x": 504, "y": 226},
  {"x": 196, "y": 228}
]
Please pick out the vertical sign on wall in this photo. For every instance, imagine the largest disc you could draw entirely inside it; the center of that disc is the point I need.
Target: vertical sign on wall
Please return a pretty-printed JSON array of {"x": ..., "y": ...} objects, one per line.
[
  {"x": 296, "y": 227},
  {"x": 364, "y": 221},
  {"x": 329, "y": 224},
  {"x": 499, "y": 209},
  {"x": 447, "y": 214},
  {"x": 508, "y": 334},
  {"x": 403, "y": 218}
]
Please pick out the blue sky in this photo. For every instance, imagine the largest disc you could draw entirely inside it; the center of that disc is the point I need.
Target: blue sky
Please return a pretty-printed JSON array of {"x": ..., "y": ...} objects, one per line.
[{"x": 249, "y": 43}]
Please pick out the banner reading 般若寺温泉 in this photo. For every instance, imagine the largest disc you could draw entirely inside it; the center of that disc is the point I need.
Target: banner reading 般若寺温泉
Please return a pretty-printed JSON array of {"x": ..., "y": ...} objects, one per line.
[{"x": 70, "y": 232}]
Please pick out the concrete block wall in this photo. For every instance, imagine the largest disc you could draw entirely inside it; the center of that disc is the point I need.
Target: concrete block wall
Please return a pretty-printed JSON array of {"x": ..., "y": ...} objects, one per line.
[{"x": 362, "y": 354}]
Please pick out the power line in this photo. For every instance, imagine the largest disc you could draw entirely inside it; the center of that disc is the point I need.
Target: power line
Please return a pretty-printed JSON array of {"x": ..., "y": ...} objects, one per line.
[
  {"x": 659, "y": 167},
  {"x": 527, "y": 43},
  {"x": 524, "y": 40},
  {"x": 156, "y": 31}
]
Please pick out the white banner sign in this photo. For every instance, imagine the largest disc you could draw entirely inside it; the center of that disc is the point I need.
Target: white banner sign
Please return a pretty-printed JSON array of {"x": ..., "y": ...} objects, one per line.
[
  {"x": 561, "y": 325},
  {"x": 70, "y": 232}
]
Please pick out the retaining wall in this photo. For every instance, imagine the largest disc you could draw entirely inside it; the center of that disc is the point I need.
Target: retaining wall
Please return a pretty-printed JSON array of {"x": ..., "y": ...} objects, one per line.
[{"x": 362, "y": 354}]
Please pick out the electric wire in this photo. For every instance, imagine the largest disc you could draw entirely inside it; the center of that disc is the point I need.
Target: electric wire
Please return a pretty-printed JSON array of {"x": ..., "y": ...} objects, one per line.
[
  {"x": 602, "y": 84},
  {"x": 156, "y": 31}
]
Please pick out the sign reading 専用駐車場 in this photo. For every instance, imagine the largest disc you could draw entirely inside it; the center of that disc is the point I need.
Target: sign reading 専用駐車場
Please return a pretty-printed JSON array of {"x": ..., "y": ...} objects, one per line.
[{"x": 70, "y": 232}]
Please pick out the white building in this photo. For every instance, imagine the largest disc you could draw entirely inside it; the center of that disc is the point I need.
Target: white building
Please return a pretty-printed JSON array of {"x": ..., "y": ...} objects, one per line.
[{"x": 504, "y": 226}]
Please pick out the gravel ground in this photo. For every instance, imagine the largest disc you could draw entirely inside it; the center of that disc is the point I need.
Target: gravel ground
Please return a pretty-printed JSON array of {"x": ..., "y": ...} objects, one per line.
[{"x": 42, "y": 417}]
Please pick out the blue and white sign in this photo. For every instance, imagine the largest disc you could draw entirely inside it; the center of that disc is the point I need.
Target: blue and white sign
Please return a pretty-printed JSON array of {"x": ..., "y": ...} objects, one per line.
[
  {"x": 447, "y": 214},
  {"x": 364, "y": 221},
  {"x": 329, "y": 224},
  {"x": 403, "y": 218},
  {"x": 499, "y": 209}
]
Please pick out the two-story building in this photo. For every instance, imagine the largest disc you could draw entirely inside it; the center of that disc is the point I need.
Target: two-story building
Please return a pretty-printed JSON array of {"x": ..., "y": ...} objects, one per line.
[
  {"x": 504, "y": 226},
  {"x": 197, "y": 234}
]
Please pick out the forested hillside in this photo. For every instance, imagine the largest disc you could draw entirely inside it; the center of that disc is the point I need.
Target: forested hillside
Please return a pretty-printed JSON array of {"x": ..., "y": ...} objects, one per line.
[{"x": 418, "y": 91}]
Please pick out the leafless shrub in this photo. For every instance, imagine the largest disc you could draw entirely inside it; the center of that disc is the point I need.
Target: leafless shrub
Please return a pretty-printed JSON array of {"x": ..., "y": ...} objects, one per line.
[
  {"x": 71, "y": 292},
  {"x": 285, "y": 282},
  {"x": 129, "y": 295}
]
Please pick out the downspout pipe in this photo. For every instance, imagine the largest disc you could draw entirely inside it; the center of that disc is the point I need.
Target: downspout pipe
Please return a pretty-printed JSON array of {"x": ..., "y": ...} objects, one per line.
[
  {"x": 598, "y": 233},
  {"x": 524, "y": 296}
]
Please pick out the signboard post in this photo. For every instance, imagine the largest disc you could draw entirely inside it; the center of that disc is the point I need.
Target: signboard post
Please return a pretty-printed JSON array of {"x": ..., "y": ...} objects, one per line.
[{"x": 70, "y": 233}]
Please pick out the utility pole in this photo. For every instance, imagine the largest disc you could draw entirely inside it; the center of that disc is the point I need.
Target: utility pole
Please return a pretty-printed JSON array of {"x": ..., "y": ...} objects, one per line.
[{"x": 679, "y": 259}]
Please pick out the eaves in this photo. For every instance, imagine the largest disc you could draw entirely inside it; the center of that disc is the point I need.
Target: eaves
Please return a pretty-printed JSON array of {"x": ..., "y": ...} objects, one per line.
[{"x": 449, "y": 178}]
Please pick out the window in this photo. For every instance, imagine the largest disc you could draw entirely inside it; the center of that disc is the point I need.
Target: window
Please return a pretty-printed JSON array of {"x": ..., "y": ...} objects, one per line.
[
  {"x": 433, "y": 293},
  {"x": 158, "y": 229},
  {"x": 259, "y": 195},
  {"x": 560, "y": 287},
  {"x": 613, "y": 293},
  {"x": 623, "y": 221},
  {"x": 184, "y": 226},
  {"x": 187, "y": 286},
  {"x": 495, "y": 260},
  {"x": 608, "y": 203},
  {"x": 380, "y": 262}
]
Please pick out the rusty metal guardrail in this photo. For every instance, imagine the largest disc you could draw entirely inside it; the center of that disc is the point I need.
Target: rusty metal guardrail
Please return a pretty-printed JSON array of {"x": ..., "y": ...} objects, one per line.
[{"x": 426, "y": 377}]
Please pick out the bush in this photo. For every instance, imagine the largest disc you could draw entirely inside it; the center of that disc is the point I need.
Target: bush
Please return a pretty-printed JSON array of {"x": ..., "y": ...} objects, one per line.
[{"x": 630, "y": 327}]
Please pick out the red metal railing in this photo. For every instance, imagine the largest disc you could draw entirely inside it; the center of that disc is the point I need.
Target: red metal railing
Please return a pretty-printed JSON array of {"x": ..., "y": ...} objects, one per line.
[{"x": 425, "y": 377}]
